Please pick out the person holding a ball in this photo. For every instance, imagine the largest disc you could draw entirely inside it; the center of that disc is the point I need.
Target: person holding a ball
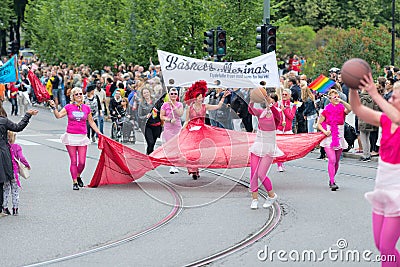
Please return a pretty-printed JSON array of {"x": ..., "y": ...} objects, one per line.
[
  {"x": 264, "y": 149},
  {"x": 385, "y": 198},
  {"x": 334, "y": 116}
]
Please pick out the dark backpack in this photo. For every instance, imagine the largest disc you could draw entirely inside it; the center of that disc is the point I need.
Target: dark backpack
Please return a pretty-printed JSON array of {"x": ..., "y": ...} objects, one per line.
[{"x": 350, "y": 136}]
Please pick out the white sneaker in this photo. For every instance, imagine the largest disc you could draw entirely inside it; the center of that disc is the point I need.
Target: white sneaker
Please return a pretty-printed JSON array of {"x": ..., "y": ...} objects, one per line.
[
  {"x": 254, "y": 204},
  {"x": 269, "y": 201},
  {"x": 171, "y": 170},
  {"x": 175, "y": 169},
  {"x": 280, "y": 169}
]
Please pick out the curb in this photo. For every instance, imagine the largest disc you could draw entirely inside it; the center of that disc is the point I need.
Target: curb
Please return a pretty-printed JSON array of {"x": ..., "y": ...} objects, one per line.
[{"x": 357, "y": 156}]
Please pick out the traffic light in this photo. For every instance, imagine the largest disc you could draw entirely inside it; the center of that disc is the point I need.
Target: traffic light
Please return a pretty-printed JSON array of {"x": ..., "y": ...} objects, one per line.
[
  {"x": 209, "y": 42},
  {"x": 261, "y": 40},
  {"x": 221, "y": 43},
  {"x": 271, "y": 38},
  {"x": 14, "y": 48}
]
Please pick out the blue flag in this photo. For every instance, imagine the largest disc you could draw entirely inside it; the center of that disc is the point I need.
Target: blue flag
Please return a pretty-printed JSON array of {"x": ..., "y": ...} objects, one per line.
[{"x": 9, "y": 71}]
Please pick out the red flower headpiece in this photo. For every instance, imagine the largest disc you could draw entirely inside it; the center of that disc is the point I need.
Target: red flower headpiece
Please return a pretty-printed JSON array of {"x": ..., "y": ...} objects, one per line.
[{"x": 195, "y": 90}]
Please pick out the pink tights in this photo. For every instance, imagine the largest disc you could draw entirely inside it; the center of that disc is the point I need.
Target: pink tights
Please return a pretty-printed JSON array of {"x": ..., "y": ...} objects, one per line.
[
  {"x": 259, "y": 167},
  {"x": 77, "y": 154},
  {"x": 333, "y": 162},
  {"x": 386, "y": 234}
]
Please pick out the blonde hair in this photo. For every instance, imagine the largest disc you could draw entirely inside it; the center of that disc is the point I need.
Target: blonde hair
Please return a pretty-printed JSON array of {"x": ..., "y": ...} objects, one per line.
[
  {"x": 11, "y": 137},
  {"x": 306, "y": 92},
  {"x": 74, "y": 91},
  {"x": 333, "y": 91}
]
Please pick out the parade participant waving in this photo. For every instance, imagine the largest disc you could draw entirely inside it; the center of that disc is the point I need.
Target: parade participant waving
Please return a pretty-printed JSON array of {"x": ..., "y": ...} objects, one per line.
[
  {"x": 334, "y": 116},
  {"x": 75, "y": 138},
  {"x": 196, "y": 112},
  {"x": 171, "y": 113},
  {"x": 385, "y": 199},
  {"x": 264, "y": 150}
]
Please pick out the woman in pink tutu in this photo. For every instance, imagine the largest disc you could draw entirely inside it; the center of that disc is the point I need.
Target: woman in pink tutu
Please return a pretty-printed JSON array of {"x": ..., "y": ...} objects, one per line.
[
  {"x": 264, "y": 150},
  {"x": 171, "y": 113},
  {"x": 75, "y": 138},
  {"x": 333, "y": 117},
  {"x": 385, "y": 199}
]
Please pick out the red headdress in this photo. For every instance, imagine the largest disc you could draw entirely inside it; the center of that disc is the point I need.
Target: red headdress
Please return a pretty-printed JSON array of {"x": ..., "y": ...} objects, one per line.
[{"x": 196, "y": 89}]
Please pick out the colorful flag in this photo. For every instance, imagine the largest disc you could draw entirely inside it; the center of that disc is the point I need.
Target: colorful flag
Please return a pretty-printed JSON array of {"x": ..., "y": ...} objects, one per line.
[
  {"x": 322, "y": 84},
  {"x": 9, "y": 71}
]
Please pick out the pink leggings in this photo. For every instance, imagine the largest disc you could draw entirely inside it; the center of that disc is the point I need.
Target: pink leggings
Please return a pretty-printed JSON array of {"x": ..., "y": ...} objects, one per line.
[
  {"x": 77, "y": 153},
  {"x": 259, "y": 167},
  {"x": 333, "y": 162},
  {"x": 386, "y": 234}
]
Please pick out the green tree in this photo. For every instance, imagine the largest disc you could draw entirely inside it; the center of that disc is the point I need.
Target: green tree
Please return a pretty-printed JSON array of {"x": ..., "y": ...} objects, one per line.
[
  {"x": 373, "y": 44},
  {"x": 6, "y": 14}
]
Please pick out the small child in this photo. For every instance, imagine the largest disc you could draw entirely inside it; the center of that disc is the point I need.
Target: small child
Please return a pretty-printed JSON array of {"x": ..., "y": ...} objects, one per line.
[{"x": 12, "y": 186}]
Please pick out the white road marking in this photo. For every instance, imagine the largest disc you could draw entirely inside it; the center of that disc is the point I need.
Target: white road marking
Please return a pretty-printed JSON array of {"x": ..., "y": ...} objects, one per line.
[{"x": 26, "y": 142}]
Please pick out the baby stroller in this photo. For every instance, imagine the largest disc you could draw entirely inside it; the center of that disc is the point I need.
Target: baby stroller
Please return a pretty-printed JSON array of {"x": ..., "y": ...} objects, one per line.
[
  {"x": 116, "y": 129},
  {"x": 122, "y": 128}
]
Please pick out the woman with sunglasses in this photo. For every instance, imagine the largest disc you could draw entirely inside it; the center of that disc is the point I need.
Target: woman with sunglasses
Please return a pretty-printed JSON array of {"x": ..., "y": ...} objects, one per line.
[
  {"x": 288, "y": 111},
  {"x": 334, "y": 116},
  {"x": 75, "y": 138},
  {"x": 171, "y": 113}
]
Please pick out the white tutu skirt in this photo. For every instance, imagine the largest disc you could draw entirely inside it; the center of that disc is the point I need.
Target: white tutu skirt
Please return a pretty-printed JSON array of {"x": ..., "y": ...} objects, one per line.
[
  {"x": 265, "y": 144},
  {"x": 328, "y": 140},
  {"x": 74, "y": 139},
  {"x": 385, "y": 199}
]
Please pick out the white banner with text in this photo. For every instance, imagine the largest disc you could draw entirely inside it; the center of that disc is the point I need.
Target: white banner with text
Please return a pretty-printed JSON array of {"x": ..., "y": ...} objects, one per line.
[{"x": 183, "y": 71}]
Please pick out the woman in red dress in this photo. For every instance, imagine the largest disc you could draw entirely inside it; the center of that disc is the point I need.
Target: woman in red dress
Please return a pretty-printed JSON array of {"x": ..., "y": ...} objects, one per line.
[{"x": 196, "y": 111}]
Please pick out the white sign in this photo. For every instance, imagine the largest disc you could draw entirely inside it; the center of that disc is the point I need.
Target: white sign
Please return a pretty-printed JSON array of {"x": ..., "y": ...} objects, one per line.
[{"x": 183, "y": 71}]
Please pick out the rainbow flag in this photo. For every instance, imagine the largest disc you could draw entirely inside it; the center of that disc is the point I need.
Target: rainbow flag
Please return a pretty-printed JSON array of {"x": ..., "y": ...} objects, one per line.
[{"x": 322, "y": 84}]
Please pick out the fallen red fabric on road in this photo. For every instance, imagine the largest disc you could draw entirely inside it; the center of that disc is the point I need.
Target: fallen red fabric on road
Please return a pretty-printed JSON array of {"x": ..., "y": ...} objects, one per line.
[{"x": 200, "y": 146}]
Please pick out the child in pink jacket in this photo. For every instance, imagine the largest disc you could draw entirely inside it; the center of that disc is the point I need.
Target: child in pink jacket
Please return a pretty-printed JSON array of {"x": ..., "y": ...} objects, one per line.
[{"x": 12, "y": 186}]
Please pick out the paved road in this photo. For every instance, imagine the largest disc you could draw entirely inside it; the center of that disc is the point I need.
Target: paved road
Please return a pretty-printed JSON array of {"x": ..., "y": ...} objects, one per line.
[{"x": 56, "y": 221}]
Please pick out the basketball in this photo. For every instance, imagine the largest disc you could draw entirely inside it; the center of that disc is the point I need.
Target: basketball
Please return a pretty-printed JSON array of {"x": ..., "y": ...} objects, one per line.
[
  {"x": 353, "y": 70},
  {"x": 258, "y": 95}
]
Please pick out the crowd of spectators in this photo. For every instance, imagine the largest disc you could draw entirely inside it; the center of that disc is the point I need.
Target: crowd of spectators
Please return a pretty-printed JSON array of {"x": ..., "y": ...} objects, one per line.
[{"x": 113, "y": 84}]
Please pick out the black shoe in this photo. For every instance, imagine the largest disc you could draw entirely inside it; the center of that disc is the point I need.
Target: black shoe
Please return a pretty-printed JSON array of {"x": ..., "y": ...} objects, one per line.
[
  {"x": 333, "y": 186},
  {"x": 6, "y": 211},
  {"x": 194, "y": 176},
  {"x": 321, "y": 157},
  {"x": 15, "y": 211},
  {"x": 75, "y": 187},
  {"x": 368, "y": 159},
  {"x": 80, "y": 182}
]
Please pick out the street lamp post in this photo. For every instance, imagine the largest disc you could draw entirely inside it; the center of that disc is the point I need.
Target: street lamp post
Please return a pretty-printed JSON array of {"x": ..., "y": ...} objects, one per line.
[{"x": 393, "y": 32}]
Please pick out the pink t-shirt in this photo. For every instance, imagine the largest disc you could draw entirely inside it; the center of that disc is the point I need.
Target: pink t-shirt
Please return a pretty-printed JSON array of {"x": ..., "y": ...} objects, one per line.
[
  {"x": 266, "y": 123},
  {"x": 77, "y": 117},
  {"x": 390, "y": 145},
  {"x": 168, "y": 113},
  {"x": 334, "y": 114}
]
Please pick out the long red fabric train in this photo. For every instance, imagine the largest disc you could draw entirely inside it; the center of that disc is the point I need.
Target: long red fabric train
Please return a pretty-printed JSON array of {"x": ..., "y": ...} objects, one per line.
[{"x": 201, "y": 146}]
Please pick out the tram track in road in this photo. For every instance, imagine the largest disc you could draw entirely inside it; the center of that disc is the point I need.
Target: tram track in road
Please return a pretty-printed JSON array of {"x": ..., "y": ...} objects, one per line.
[
  {"x": 271, "y": 222},
  {"x": 177, "y": 208},
  {"x": 305, "y": 167},
  {"x": 175, "y": 211}
]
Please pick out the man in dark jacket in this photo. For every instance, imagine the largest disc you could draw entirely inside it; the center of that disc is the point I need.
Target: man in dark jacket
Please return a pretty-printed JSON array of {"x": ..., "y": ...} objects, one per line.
[
  {"x": 295, "y": 88},
  {"x": 240, "y": 107}
]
